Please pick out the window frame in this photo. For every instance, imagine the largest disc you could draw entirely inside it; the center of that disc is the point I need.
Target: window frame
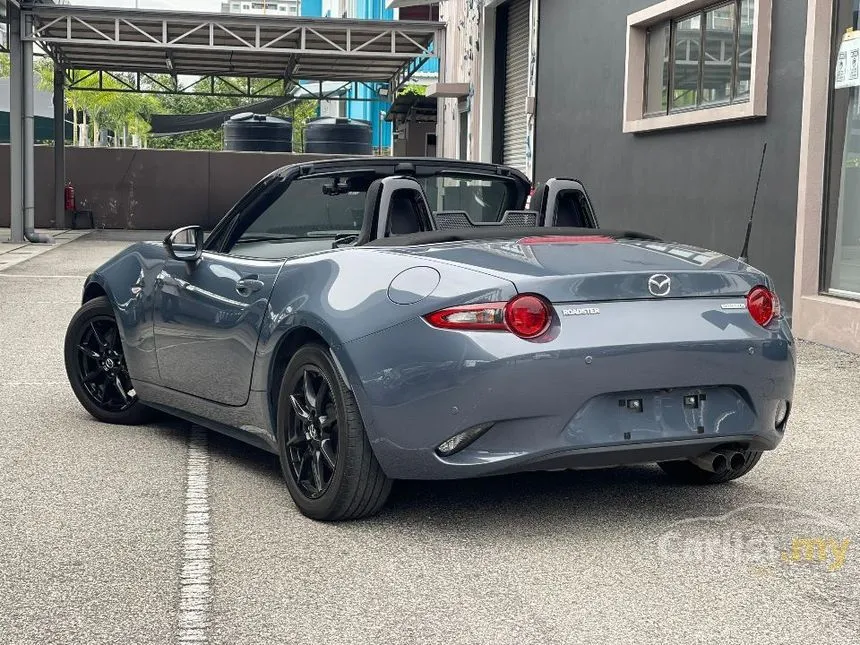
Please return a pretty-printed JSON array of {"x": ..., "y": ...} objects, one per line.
[{"x": 638, "y": 24}]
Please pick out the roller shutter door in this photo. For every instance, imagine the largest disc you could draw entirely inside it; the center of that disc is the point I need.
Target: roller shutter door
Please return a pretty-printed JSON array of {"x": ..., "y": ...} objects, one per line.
[{"x": 515, "y": 129}]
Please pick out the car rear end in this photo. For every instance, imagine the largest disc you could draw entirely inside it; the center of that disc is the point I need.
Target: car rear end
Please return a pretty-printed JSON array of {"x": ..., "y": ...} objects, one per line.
[{"x": 602, "y": 352}]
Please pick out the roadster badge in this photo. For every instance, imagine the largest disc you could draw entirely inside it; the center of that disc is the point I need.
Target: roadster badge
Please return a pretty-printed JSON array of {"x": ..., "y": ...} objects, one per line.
[{"x": 581, "y": 311}]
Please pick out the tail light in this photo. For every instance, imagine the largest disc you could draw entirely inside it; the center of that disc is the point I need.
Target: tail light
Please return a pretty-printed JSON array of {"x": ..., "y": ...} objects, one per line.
[
  {"x": 527, "y": 316},
  {"x": 763, "y": 305}
]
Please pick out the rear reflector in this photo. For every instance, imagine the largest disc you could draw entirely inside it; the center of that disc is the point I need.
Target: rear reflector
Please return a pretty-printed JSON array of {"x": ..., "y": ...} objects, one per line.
[
  {"x": 462, "y": 440},
  {"x": 527, "y": 316},
  {"x": 565, "y": 239}
]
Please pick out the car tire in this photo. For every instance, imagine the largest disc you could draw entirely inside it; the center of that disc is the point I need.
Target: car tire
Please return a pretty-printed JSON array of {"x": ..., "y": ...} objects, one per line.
[
  {"x": 96, "y": 368},
  {"x": 326, "y": 458},
  {"x": 686, "y": 472}
]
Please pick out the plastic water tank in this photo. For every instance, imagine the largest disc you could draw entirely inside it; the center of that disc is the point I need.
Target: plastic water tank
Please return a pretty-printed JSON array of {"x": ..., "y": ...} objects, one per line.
[
  {"x": 258, "y": 133},
  {"x": 338, "y": 136}
]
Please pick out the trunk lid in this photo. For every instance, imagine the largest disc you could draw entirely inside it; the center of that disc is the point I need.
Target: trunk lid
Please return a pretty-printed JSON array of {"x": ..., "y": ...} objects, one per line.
[{"x": 597, "y": 269}]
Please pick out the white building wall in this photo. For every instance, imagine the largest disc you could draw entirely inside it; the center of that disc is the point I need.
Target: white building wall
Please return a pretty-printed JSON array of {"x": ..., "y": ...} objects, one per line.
[
  {"x": 262, "y": 7},
  {"x": 470, "y": 58},
  {"x": 462, "y": 64}
]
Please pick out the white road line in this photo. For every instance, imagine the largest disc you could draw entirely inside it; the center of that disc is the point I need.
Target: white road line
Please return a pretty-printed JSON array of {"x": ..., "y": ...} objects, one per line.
[
  {"x": 41, "y": 277},
  {"x": 195, "y": 593}
]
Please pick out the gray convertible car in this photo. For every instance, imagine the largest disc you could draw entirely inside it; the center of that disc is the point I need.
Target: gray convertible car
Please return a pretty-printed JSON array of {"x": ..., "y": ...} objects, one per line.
[{"x": 377, "y": 319}]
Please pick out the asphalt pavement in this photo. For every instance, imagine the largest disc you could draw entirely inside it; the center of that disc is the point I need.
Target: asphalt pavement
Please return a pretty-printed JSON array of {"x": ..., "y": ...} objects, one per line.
[{"x": 94, "y": 521}]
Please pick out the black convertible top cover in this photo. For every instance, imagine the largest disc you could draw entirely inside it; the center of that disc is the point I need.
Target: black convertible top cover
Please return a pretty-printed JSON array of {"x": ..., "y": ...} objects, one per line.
[{"x": 503, "y": 233}]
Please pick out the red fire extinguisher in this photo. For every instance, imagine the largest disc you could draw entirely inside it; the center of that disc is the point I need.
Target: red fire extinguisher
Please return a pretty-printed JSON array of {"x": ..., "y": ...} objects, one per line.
[{"x": 70, "y": 197}]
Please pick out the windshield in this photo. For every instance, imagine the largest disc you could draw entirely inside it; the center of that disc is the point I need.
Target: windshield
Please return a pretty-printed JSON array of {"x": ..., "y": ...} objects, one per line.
[
  {"x": 308, "y": 209},
  {"x": 326, "y": 207}
]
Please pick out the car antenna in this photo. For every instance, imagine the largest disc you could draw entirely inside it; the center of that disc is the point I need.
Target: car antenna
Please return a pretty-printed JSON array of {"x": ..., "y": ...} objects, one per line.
[{"x": 745, "y": 251}]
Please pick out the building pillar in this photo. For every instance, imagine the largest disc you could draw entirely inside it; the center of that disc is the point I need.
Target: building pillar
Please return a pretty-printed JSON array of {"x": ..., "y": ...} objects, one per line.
[
  {"x": 16, "y": 121},
  {"x": 440, "y": 45},
  {"x": 59, "y": 147},
  {"x": 29, "y": 140}
]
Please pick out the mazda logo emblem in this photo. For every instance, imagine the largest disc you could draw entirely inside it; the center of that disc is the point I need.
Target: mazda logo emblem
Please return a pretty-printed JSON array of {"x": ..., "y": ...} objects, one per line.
[{"x": 659, "y": 285}]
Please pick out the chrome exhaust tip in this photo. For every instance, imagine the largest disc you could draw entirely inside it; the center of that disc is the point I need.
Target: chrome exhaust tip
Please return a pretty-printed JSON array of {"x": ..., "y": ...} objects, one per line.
[
  {"x": 734, "y": 458},
  {"x": 713, "y": 462}
]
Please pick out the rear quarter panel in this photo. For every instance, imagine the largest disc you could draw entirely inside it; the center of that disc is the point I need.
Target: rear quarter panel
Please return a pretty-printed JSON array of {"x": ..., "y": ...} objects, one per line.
[{"x": 345, "y": 295}]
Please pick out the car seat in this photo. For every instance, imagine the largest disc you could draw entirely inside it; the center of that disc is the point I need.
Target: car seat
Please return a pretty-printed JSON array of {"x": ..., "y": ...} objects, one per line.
[{"x": 403, "y": 217}]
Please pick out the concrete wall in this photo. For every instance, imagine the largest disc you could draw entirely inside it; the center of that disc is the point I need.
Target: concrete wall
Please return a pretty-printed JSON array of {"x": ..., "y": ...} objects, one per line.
[
  {"x": 413, "y": 141},
  {"x": 147, "y": 189},
  {"x": 463, "y": 43},
  {"x": 694, "y": 185}
]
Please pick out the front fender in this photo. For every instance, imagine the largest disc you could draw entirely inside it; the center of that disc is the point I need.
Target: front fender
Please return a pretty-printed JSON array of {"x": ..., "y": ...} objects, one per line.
[{"x": 128, "y": 280}]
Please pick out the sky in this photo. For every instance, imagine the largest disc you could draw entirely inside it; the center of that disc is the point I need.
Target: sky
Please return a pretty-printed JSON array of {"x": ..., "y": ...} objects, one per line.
[{"x": 176, "y": 5}]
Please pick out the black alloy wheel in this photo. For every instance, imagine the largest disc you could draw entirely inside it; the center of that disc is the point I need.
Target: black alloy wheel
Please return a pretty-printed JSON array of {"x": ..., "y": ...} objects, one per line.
[
  {"x": 312, "y": 445},
  {"x": 101, "y": 366},
  {"x": 326, "y": 458},
  {"x": 96, "y": 366}
]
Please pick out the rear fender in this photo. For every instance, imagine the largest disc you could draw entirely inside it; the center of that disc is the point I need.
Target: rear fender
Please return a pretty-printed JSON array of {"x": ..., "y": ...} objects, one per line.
[{"x": 345, "y": 296}]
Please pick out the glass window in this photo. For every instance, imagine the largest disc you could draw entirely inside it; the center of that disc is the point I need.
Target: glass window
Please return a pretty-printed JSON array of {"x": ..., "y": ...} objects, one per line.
[
  {"x": 686, "y": 46},
  {"x": 841, "y": 265},
  {"x": 485, "y": 200},
  {"x": 711, "y": 59},
  {"x": 718, "y": 55},
  {"x": 307, "y": 209},
  {"x": 657, "y": 72},
  {"x": 745, "y": 47},
  {"x": 464, "y": 134}
]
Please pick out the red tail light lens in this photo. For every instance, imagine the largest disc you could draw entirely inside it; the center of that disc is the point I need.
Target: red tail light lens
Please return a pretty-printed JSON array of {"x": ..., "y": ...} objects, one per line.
[
  {"x": 763, "y": 305},
  {"x": 526, "y": 315}
]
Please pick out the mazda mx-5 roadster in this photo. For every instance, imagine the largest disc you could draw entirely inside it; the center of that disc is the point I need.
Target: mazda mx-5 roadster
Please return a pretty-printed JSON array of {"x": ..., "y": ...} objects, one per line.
[{"x": 376, "y": 319}]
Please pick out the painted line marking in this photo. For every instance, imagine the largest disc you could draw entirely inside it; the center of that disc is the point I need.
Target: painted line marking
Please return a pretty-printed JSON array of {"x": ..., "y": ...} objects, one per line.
[
  {"x": 42, "y": 277},
  {"x": 195, "y": 593}
]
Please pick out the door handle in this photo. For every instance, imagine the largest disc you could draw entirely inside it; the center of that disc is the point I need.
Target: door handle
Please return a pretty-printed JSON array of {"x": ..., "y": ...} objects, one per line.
[{"x": 249, "y": 285}]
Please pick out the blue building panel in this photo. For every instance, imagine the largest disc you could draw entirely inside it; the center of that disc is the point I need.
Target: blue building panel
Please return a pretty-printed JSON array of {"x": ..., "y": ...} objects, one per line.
[
  {"x": 311, "y": 8},
  {"x": 374, "y": 110}
]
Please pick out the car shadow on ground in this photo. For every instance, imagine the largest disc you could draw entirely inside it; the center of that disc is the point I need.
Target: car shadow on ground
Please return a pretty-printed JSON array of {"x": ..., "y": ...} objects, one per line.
[{"x": 633, "y": 495}]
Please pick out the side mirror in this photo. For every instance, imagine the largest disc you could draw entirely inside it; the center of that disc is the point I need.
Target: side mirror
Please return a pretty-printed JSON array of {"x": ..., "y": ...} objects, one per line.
[{"x": 185, "y": 244}]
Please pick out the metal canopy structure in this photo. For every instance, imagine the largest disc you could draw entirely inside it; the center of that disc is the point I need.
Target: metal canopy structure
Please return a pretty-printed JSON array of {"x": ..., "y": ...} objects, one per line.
[
  {"x": 412, "y": 106},
  {"x": 178, "y": 43},
  {"x": 148, "y": 51}
]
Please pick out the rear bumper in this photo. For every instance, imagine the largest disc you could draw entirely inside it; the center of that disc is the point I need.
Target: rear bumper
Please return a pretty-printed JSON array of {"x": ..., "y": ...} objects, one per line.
[
  {"x": 642, "y": 453},
  {"x": 558, "y": 405}
]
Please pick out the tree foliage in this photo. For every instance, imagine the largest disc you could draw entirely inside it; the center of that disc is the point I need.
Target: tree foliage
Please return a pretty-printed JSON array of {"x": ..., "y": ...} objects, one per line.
[
  {"x": 299, "y": 111},
  {"x": 415, "y": 89}
]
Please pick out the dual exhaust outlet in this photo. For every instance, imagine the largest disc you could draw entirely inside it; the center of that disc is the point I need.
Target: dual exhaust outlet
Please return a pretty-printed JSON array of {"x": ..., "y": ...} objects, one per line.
[{"x": 720, "y": 460}]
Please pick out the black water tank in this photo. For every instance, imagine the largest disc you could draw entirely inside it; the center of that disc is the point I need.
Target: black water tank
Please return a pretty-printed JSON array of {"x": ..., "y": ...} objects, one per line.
[
  {"x": 338, "y": 136},
  {"x": 251, "y": 132}
]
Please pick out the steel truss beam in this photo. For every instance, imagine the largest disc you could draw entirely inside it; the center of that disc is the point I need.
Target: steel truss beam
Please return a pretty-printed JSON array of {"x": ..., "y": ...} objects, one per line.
[
  {"x": 153, "y": 42},
  {"x": 211, "y": 85}
]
